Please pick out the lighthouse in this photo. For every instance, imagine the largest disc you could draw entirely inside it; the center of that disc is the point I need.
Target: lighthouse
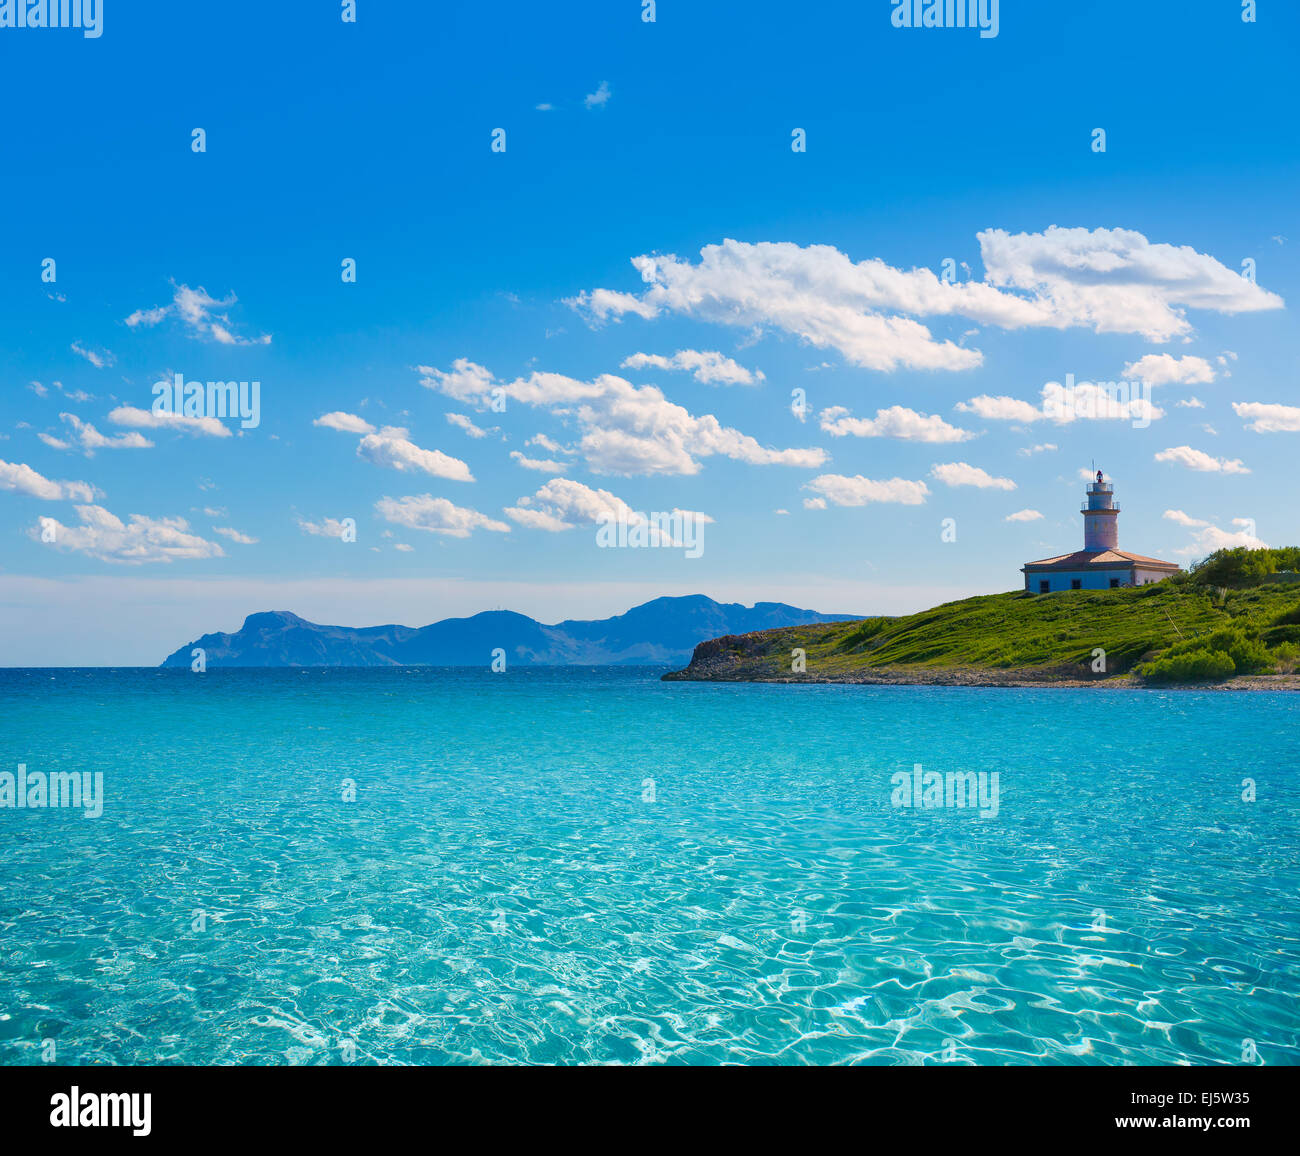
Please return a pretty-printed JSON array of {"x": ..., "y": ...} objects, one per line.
[
  {"x": 1100, "y": 517},
  {"x": 1101, "y": 564}
]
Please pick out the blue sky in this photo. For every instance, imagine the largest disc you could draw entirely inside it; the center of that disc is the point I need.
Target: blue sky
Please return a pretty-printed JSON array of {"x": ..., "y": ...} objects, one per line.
[{"x": 625, "y": 140}]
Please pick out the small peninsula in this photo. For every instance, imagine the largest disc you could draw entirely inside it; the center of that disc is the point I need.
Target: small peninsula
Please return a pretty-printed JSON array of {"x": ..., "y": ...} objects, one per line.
[{"x": 1232, "y": 621}]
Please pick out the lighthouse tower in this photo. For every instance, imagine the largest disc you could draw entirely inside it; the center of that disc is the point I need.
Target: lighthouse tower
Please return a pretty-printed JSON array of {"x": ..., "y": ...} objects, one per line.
[{"x": 1100, "y": 517}]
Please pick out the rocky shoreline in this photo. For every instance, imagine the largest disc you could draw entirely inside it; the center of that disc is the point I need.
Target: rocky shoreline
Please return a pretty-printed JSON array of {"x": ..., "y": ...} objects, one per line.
[{"x": 994, "y": 679}]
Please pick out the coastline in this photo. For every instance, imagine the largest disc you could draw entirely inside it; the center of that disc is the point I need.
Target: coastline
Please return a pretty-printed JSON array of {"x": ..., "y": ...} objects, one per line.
[{"x": 1023, "y": 679}]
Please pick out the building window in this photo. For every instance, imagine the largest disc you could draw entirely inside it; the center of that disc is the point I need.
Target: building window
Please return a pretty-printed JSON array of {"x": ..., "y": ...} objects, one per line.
[
  {"x": 1044, "y": 586},
  {"x": 1076, "y": 583},
  {"x": 1114, "y": 583}
]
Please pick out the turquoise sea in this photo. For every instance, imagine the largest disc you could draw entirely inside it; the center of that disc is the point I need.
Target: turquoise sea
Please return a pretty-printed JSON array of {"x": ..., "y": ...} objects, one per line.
[{"x": 592, "y": 866}]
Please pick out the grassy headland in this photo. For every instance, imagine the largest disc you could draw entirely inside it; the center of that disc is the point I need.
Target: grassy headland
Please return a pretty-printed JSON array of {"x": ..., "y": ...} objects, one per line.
[{"x": 1229, "y": 618}]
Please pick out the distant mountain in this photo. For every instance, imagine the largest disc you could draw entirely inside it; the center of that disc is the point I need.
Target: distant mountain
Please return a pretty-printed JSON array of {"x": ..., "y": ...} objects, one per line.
[{"x": 664, "y": 631}]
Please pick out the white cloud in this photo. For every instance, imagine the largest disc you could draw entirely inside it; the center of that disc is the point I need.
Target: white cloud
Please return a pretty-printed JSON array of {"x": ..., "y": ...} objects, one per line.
[
  {"x": 129, "y": 415},
  {"x": 895, "y": 422},
  {"x": 1044, "y": 448},
  {"x": 149, "y": 317},
  {"x": 627, "y": 429},
  {"x": 1023, "y": 516},
  {"x": 344, "y": 422},
  {"x": 1116, "y": 281},
  {"x": 461, "y": 421},
  {"x": 1209, "y": 537},
  {"x": 538, "y": 519},
  {"x": 403, "y": 547},
  {"x": 562, "y": 504},
  {"x": 1063, "y": 404},
  {"x": 1191, "y": 403},
  {"x": 390, "y": 447},
  {"x": 1197, "y": 460},
  {"x": 542, "y": 442},
  {"x": 601, "y": 304},
  {"x": 962, "y": 474},
  {"x": 465, "y": 382},
  {"x": 859, "y": 491},
  {"x": 814, "y": 293},
  {"x": 19, "y": 478},
  {"x": 1108, "y": 280},
  {"x": 1265, "y": 418},
  {"x": 599, "y": 98},
  {"x": 436, "y": 516},
  {"x": 1165, "y": 369},
  {"x": 1213, "y": 538},
  {"x": 1001, "y": 408},
  {"x": 325, "y": 528},
  {"x": 234, "y": 535},
  {"x": 104, "y": 536},
  {"x": 100, "y": 358},
  {"x": 541, "y": 465},
  {"x": 198, "y": 313},
  {"x": 91, "y": 439},
  {"x": 709, "y": 368}
]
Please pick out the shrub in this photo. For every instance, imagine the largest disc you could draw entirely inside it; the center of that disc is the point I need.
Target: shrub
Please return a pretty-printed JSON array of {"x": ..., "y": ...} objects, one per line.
[
  {"x": 1248, "y": 653},
  {"x": 1192, "y": 666},
  {"x": 1288, "y": 617},
  {"x": 1288, "y": 652},
  {"x": 1242, "y": 566},
  {"x": 1250, "y": 656}
]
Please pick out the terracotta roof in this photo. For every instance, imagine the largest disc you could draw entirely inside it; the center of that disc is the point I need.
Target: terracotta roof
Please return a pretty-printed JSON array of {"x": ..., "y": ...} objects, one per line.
[{"x": 1082, "y": 559}]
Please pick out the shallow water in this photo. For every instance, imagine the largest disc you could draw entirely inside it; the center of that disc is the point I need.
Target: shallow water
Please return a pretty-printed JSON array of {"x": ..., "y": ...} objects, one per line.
[{"x": 561, "y": 865}]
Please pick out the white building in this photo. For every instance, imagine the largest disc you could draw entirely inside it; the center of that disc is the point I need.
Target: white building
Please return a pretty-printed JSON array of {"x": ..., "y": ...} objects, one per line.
[{"x": 1101, "y": 564}]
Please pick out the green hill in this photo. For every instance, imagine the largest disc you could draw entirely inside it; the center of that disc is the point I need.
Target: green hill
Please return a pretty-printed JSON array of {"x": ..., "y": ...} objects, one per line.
[{"x": 1184, "y": 629}]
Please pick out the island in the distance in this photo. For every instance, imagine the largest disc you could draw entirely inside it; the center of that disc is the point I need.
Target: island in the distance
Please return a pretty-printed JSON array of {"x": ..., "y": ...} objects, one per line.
[{"x": 659, "y": 632}]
